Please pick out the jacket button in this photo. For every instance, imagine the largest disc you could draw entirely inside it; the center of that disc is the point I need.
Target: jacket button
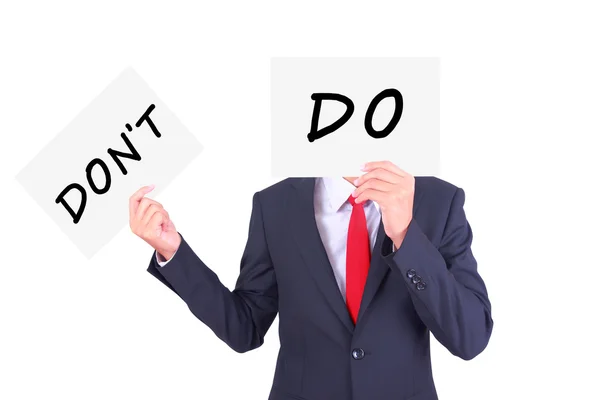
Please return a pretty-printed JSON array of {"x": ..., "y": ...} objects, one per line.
[
  {"x": 416, "y": 279},
  {"x": 411, "y": 272},
  {"x": 358, "y": 354},
  {"x": 421, "y": 286}
]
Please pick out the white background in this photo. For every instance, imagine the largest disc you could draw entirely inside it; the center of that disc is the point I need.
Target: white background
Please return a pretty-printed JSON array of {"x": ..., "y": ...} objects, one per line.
[{"x": 519, "y": 107}]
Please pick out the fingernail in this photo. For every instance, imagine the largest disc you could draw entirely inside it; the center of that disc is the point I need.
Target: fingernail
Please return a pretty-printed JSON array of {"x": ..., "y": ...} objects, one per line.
[
  {"x": 356, "y": 182},
  {"x": 363, "y": 167}
]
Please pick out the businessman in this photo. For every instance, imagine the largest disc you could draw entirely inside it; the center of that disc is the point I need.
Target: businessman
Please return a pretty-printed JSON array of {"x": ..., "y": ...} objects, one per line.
[{"x": 360, "y": 271}]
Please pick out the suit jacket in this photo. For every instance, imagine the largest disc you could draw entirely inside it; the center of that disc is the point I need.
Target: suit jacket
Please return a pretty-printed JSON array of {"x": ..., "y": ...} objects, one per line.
[{"x": 430, "y": 284}]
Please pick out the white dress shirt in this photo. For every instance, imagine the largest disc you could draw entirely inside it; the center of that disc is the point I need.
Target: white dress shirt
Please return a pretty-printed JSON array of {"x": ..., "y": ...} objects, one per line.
[{"x": 332, "y": 213}]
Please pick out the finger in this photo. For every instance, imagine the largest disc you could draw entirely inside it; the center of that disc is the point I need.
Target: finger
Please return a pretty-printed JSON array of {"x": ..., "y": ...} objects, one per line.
[
  {"x": 145, "y": 203},
  {"x": 154, "y": 225},
  {"x": 152, "y": 209},
  {"x": 135, "y": 198},
  {"x": 371, "y": 194},
  {"x": 373, "y": 184},
  {"x": 381, "y": 174},
  {"x": 387, "y": 165}
]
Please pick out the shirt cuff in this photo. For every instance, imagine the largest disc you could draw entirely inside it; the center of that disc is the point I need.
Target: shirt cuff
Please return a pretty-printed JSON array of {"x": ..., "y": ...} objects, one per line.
[{"x": 161, "y": 260}]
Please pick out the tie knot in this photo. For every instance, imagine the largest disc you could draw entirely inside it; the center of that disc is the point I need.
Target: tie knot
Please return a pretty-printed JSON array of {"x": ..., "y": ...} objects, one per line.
[{"x": 352, "y": 201}]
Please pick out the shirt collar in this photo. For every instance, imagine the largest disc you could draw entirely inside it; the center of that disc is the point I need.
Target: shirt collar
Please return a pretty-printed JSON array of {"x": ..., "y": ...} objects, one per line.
[{"x": 338, "y": 190}]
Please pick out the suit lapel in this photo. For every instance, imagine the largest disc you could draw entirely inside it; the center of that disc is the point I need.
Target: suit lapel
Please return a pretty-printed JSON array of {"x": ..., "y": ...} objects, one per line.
[
  {"x": 377, "y": 271},
  {"x": 303, "y": 224}
]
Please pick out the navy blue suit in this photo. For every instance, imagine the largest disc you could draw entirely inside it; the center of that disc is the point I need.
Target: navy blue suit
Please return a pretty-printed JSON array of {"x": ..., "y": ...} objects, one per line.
[{"x": 430, "y": 284}]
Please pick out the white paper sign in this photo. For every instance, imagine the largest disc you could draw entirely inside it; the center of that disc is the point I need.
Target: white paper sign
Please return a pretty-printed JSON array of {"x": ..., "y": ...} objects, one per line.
[
  {"x": 126, "y": 138},
  {"x": 331, "y": 115}
]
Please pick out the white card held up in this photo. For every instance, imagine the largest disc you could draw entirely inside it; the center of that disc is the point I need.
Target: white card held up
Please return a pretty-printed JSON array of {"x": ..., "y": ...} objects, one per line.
[
  {"x": 331, "y": 115},
  {"x": 124, "y": 139}
]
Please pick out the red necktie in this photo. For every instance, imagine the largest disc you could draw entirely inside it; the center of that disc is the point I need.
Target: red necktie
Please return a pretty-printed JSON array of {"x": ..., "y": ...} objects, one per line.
[{"x": 358, "y": 258}]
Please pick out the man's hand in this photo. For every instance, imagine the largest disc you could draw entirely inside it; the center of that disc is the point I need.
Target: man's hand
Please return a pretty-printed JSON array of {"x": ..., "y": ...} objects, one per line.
[
  {"x": 150, "y": 221},
  {"x": 393, "y": 189}
]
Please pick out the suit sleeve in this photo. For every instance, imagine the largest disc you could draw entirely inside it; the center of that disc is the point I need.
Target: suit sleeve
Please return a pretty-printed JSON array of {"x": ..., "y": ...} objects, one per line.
[
  {"x": 448, "y": 293},
  {"x": 240, "y": 317}
]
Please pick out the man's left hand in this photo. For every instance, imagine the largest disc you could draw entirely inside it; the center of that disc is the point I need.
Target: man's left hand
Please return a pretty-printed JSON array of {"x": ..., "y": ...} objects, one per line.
[{"x": 393, "y": 189}]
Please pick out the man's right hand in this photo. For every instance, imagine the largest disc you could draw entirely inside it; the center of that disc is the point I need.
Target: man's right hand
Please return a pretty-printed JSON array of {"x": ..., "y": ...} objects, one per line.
[{"x": 150, "y": 221}]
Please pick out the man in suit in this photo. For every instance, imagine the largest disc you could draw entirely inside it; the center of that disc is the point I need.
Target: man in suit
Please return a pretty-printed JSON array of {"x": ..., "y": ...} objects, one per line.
[{"x": 360, "y": 271}]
